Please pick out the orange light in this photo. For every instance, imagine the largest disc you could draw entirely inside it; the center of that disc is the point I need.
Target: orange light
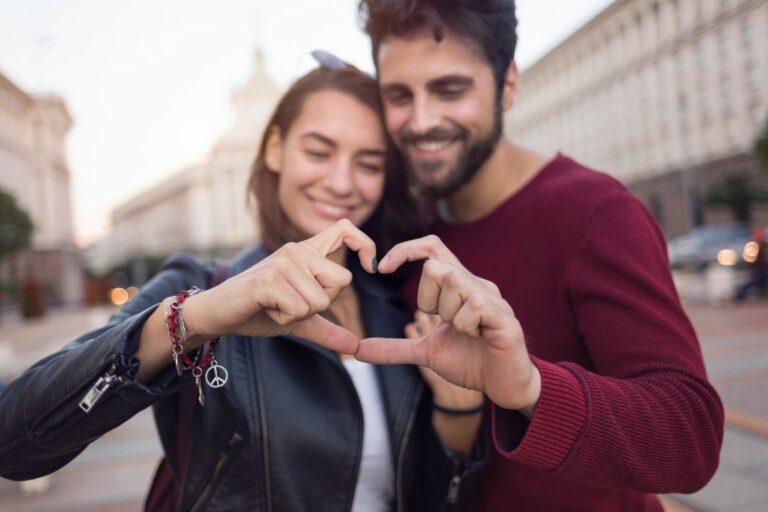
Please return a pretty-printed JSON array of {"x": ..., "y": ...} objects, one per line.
[
  {"x": 118, "y": 296},
  {"x": 727, "y": 257},
  {"x": 751, "y": 250},
  {"x": 132, "y": 291}
]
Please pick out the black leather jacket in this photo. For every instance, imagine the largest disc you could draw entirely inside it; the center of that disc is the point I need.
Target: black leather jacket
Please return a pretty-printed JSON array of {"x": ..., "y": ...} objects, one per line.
[{"x": 284, "y": 434}]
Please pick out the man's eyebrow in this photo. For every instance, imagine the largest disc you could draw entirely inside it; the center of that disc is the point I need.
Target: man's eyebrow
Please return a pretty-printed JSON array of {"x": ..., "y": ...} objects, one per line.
[
  {"x": 393, "y": 86},
  {"x": 450, "y": 80},
  {"x": 322, "y": 138}
]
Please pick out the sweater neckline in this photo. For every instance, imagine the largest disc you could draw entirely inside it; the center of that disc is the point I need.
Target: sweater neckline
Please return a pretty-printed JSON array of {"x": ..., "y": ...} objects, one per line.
[{"x": 549, "y": 167}]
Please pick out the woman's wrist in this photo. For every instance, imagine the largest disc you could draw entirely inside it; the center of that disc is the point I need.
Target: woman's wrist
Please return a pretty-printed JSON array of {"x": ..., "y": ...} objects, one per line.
[{"x": 195, "y": 332}]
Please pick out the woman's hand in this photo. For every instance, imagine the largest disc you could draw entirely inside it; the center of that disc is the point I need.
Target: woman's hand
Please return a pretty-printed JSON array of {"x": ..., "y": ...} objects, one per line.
[
  {"x": 283, "y": 294},
  {"x": 444, "y": 393}
]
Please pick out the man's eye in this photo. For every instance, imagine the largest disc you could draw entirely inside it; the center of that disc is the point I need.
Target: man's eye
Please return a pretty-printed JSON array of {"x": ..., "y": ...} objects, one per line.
[
  {"x": 398, "y": 98},
  {"x": 451, "y": 93}
]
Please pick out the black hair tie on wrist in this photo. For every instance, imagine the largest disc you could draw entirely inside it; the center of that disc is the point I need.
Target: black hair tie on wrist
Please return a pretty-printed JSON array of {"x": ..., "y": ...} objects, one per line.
[{"x": 459, "y": 412}]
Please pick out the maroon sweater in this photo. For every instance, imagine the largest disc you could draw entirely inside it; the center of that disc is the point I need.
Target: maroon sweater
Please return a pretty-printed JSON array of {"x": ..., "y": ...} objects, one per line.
[{"x": 626, "y": 408}]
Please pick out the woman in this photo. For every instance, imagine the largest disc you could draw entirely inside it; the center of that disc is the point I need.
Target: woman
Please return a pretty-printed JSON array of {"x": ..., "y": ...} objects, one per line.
[{"x": 298, "y": 425}]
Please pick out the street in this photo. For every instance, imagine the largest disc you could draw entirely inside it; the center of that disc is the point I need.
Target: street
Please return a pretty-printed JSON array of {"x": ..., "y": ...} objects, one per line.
[{"x": 113, "y": 474}]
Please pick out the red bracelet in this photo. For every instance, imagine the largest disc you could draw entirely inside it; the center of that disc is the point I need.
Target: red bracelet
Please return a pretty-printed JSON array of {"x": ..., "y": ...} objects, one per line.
[{"x": 216, "y": 375}]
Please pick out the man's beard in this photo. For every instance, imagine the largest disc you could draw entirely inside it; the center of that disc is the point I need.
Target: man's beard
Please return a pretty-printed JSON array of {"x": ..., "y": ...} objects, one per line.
[{"x": 467, "y": 165}]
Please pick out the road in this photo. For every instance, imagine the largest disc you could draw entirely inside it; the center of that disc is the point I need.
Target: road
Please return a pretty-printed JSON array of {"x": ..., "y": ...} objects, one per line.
[{"x": 112, "y": 475}]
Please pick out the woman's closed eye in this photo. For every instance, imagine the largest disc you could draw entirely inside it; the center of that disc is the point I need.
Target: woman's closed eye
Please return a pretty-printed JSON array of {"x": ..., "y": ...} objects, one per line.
[
  {"x": 371, "y": 167},
  {"x": 317, "y": 155}
]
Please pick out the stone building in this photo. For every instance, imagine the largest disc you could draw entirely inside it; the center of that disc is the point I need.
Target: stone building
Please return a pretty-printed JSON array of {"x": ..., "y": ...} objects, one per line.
[
  {"x": 33, "y": 167},
  {"x": 200, "y": 209},
  {"x": 666, "y": 95}
]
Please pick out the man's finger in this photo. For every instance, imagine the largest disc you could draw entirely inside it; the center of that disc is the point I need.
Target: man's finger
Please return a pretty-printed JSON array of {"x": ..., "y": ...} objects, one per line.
[
  {"x": 432, "y": 285},
  {"x": 344, "y": 233},
  {"x": 327, "y": 334},
  {"x": 392, "y": 351},
  {"x": 428, "y": 247}
]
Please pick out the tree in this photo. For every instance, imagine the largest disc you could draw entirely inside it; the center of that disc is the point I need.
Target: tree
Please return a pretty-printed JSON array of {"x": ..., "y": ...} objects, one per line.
[
  {"x": 739, "y": 193},
  {"x": 15, "y": 226},
  {"x": 761, "y": 149}
]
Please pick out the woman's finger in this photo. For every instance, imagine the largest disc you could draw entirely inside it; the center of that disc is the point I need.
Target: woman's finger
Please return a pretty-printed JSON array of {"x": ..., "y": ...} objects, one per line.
[
  {"x": 327, "y": 334},
  {"x": 282, "y": 302},
  {"x": 344, "y": 233}
]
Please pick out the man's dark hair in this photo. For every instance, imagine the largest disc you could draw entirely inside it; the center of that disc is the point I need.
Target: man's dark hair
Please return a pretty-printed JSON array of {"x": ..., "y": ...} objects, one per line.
[{"x": 491, "y": 24}]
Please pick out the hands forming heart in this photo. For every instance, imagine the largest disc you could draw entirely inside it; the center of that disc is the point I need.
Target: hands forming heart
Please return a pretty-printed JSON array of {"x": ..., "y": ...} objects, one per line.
[{"x": 477, "y": 344}]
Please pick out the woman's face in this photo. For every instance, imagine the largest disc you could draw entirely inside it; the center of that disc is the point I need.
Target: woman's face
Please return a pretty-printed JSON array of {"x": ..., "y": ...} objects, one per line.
[{"x": 331, "y": 162}]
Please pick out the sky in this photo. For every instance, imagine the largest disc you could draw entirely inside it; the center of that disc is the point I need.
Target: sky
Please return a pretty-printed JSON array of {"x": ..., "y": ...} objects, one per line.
[{"x": 148, "y": 83}]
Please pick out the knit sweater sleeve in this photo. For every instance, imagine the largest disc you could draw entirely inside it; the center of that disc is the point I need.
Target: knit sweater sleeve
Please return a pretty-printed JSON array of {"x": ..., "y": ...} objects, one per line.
[{"x": 645, "y": 417}]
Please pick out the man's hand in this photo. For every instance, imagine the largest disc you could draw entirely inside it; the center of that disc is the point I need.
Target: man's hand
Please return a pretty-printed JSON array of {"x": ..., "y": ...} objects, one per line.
[
  {"x": 479, "y": 343},
  {"x": 443, "y": 392}
]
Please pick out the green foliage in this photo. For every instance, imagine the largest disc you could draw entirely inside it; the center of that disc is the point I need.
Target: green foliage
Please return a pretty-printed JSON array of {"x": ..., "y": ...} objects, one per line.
[
  {"x": 739, "y": 193},
  {"x": 15, "y": 226}
]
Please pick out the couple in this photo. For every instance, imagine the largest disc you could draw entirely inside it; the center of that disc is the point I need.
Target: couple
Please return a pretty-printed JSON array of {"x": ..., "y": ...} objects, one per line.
[{"x": 545, "y": 294}]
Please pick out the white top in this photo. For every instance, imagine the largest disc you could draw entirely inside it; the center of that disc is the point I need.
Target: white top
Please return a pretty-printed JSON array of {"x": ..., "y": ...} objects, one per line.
[{"x": 375, "y": 490}]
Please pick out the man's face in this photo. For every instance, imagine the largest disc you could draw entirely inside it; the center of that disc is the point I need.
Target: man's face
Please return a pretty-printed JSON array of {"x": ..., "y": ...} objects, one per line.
[{"x": 441, "y": 107}]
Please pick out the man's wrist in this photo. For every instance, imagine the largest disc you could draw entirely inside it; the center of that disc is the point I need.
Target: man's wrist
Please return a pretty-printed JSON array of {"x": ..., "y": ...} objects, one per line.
[
  {"x": 465, "y": 399},
  {"x": 534, "y": 394}
]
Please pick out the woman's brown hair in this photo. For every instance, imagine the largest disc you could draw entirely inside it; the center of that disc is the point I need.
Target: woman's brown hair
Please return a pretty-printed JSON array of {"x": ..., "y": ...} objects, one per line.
[{"x": 396, "y": 218}]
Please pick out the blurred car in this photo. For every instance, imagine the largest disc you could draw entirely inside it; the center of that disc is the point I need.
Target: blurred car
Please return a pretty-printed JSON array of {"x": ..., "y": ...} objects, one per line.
[{"x": 723, "y": 244}]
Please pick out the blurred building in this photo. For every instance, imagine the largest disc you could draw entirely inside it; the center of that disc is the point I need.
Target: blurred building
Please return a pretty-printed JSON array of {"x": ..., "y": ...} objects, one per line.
[
  {"x": 666, "y": 95},
  {"x": 200, "y": 209},
  {"x": 33, "y": 167}
]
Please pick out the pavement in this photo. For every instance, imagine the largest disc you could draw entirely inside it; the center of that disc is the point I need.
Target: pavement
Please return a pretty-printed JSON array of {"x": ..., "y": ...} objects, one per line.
[
  {"x": 113, "y": 473},
  {"x": 734, "y": 342}
]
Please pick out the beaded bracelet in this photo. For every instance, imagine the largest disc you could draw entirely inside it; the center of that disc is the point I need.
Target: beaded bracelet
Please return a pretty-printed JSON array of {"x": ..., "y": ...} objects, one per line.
[{"x": 215, "y": 375}]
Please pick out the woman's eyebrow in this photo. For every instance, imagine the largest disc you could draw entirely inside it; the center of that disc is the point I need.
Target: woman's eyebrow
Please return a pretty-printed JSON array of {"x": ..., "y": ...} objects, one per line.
[
  {"x": 372, "y": 152},
  {"x": 322, "y": 138}
]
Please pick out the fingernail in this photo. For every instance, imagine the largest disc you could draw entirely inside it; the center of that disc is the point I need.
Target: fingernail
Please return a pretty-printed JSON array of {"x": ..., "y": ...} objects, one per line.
[{"x": 375, "y": 265}]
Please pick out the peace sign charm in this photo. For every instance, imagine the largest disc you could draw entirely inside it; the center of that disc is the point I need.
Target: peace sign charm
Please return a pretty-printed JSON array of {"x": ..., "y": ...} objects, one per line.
[{"x": 216, "y": 375}]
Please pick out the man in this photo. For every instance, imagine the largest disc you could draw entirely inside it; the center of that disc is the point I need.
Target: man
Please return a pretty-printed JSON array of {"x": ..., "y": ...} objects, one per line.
[{"x": 551, "y": 281}]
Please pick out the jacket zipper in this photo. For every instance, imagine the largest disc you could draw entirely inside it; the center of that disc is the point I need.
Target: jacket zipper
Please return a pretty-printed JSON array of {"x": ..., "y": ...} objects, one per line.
[
  {"x": 103, "y": 384},
  {"x": 63, "y": 416},
  {"x": 264, "y": 432},
  {"x": 224, "y": 457},
  {"x": 401, "y": 453},
  {"x": 455, "y": 484}
]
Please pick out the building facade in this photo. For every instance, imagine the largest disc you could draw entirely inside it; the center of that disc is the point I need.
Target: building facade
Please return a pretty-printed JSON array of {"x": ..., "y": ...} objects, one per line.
[
  {"x": 200, "y": 209},
  {"x": 33, "y": 168},
  {"x": 668, "y": 96}
]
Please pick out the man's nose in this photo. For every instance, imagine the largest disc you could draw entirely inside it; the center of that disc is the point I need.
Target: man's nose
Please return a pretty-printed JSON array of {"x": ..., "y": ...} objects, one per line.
[{"x": 424, "y": 116}]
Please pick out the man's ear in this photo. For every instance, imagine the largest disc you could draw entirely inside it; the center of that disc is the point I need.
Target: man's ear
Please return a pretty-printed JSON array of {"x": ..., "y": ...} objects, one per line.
[
  {"x": 273, "y": 156},
  {"x": 509, "y": 92}
]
